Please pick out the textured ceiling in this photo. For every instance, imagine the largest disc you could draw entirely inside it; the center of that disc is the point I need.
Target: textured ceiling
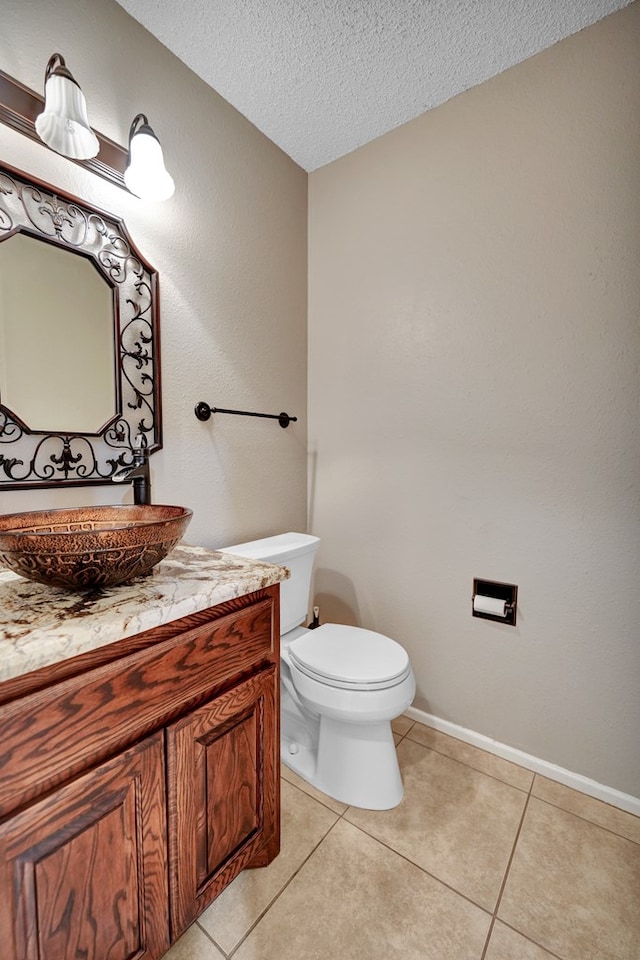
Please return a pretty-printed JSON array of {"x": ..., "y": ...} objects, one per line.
[{"x": 322, "y": 77}]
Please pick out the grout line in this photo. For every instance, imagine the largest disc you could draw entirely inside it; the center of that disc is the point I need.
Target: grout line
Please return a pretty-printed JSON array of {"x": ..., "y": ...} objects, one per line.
[
  {"x": 210, "y": 938},
  {"x": 317, "y": 800},
  {"x": 281, "y": 891},
  {"x": 469, "y": 766},
  {"x": 554, "y": 956},
  {"x": 511, "y": 763},
  {"x": 488, "y": 940},
  {"x": 594, "y": 823},
  {"x": 506, "y": 874},
  {"x": 418, "y": 867}
]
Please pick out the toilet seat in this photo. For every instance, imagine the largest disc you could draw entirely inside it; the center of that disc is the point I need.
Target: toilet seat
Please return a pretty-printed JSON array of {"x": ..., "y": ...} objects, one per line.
[{"x": 349, "y": 658}]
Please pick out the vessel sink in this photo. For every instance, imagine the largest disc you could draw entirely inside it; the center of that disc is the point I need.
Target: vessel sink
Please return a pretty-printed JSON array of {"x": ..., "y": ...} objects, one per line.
[{"x": 89, "y": 547}]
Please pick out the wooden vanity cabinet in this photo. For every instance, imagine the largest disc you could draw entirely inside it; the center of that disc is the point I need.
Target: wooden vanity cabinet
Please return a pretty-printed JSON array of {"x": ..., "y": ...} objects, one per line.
[{"x": 134, "y": 789}]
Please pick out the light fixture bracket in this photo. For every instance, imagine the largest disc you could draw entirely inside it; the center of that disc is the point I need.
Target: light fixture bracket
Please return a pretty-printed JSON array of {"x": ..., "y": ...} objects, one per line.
[
  {"x": 57, "y": 67},
  {"x": 140, "y": 124}
]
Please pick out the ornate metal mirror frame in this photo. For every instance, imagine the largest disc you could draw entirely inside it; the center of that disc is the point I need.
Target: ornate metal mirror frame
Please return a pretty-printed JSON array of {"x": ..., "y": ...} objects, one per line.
[{"x": 31, "y": 458}]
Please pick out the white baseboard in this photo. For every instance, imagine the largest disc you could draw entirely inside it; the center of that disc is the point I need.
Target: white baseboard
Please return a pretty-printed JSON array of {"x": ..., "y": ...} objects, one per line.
[{"x": 574, "y": 780}]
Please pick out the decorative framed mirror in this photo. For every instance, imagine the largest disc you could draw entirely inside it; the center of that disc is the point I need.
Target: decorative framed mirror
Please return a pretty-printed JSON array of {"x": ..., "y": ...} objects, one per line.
[{"x": 79, "y": 340}]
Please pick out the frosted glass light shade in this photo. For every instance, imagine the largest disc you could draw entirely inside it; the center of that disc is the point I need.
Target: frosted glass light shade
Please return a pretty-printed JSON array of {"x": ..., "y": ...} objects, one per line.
[
  {"x": 146, "y": 175},
  {"x": 64, "y": 125}
]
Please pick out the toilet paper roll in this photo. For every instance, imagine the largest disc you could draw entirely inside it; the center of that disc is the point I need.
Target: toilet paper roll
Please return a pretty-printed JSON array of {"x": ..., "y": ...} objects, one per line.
[{"x": 497, "y": 608}]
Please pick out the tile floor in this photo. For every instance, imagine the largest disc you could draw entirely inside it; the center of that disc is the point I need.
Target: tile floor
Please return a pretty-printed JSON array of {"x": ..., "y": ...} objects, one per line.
[{"x": 482, "y": 860}]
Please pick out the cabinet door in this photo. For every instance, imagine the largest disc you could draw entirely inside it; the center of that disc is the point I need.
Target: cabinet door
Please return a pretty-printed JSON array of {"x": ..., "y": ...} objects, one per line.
[
  {"x": 224, "y": 799},
  {"x": 84, "y": 870}
]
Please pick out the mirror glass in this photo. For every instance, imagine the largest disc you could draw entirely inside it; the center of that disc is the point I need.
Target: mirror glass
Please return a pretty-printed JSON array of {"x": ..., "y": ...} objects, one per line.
[
  {"x": 57, "y": 359},
  {"x": 79, "y": 339}
]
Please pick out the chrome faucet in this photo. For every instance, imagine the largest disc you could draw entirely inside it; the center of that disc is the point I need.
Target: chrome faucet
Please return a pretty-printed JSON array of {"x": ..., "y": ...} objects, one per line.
[{"x": 138, "y": 471}]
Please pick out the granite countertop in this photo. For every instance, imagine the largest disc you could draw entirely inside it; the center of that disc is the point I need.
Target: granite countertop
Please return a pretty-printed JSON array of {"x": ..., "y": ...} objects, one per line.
[{"x": 41, "y": 625}]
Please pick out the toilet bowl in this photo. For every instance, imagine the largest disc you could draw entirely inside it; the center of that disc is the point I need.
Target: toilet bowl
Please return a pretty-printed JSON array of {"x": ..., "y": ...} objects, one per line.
[{"x": 340, "y": 688}]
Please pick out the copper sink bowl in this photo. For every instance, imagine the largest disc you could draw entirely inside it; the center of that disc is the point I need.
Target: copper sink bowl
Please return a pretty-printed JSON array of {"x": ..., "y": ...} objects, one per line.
[{"x": 90, "y": 546}]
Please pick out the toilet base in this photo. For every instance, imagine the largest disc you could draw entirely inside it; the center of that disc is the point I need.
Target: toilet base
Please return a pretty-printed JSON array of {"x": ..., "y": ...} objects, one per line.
[
  {"x": 354, "y": 763},
  {"x": 298, "y": 740}
]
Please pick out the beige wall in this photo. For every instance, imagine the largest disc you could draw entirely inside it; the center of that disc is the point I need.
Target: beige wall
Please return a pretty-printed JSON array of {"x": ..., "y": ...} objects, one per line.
[
  {"x": 230, "y": 248},
  {"x": 474, "y": 388}
]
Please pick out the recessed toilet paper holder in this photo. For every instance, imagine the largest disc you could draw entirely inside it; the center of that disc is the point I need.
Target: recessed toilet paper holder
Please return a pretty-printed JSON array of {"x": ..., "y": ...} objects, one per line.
[{"x": 492, "y": 600}]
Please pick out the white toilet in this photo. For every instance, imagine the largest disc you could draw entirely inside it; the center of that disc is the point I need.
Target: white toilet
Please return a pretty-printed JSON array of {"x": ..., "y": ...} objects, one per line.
[{"x": 341, "y": 688}]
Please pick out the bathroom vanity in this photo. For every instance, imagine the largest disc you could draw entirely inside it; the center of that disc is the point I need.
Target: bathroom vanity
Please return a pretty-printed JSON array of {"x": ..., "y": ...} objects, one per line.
[{"x": 139, "y": 766}]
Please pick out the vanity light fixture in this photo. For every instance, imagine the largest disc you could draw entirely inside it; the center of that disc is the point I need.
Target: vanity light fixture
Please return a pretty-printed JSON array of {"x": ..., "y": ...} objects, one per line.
[
  {"x": 146, "y": 175},
  {"x": 64, "y": 125}
]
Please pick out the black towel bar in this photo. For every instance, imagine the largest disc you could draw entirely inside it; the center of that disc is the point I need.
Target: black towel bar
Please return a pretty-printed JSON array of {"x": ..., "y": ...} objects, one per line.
[{"x": 203, "y": 411}]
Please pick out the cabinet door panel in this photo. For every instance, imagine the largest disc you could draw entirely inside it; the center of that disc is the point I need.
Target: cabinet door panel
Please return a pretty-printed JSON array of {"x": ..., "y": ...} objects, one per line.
[
  {"x": 231, "y": 772},
  {"x": 223, "y": 761},
  {"x": 84, "y": 869}
]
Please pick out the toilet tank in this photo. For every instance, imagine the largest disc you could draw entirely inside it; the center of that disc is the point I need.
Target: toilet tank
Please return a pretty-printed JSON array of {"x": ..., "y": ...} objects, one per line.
[{"x": 297, "y": 552}]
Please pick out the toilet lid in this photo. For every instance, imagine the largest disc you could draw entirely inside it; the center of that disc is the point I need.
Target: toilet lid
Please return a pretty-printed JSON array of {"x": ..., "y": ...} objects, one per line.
[{"x": 337, "y": 655}]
